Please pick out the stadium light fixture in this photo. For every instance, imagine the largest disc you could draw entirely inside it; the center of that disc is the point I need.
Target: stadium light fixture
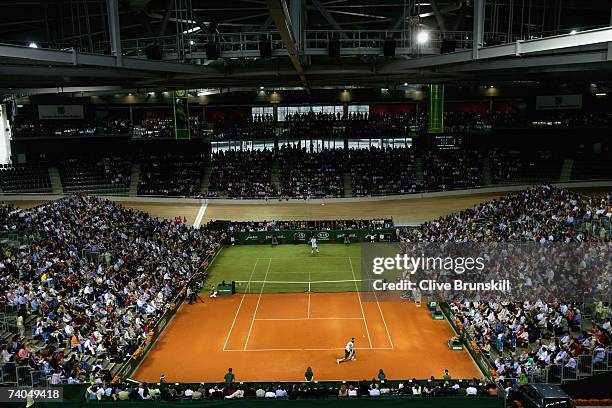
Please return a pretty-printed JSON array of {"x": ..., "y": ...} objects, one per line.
[
  {"x": 422, "y": 37},
  {"x": 33, "y": 45},
  {"x": 192, "y": 30}
]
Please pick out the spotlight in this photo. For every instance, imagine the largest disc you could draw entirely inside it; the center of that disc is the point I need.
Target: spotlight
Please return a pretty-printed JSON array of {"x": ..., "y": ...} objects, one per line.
[
  {"x": 33, "y": 45},
  {"x": 261, "y": 87},
  {"x": 405, "y": 83},
  {"x": 191, "y": 42},
  {"x": 422, "y": 37}
]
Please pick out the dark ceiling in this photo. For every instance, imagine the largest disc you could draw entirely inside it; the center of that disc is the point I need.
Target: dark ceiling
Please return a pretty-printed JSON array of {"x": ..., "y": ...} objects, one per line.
[{"x": 82, "y": 25}]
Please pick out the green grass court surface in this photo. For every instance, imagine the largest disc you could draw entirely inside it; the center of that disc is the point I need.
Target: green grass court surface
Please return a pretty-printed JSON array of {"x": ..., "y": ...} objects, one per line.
[{"x": 288, "y": 268}]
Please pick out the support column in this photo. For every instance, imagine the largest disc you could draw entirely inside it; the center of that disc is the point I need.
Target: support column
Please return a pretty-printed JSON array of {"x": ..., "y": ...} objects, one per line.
[
  {"x": 5, "y": 137},
  {"x": 295, "y": 13},
  {"x": 609, "y": 56},
  {"x": 112, "y": 7},
  {"x": 478, "y": 31}
]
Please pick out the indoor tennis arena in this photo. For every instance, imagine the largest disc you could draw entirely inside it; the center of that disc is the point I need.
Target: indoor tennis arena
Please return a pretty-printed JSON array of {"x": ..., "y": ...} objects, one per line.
[{"x": 315, "y": 202}]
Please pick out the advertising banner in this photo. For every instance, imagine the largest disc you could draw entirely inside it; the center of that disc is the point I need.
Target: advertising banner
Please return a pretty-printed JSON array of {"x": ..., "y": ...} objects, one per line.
[{"x": 302, "y": 236}]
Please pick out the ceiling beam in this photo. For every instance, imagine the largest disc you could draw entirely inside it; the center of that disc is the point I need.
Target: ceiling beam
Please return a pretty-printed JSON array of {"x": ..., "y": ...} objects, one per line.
[
  {"x": 438, "y": 15},
  {"x": 164, "y": 24},
  {"x": 328, "y": 17},
  {"x": 400, "y": 19},
  {"x": 575, "y": 43},
  {"x": 114, "y": 29},
  {"x": 280, "y": 14}
]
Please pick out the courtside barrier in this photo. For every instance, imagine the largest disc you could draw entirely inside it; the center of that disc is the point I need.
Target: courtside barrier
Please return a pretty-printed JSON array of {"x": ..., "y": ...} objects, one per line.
[
  {"x": 479, "y": 358},
  {"x": 302, "y": 236},
  {"x": 134, "y": 361},
  {"x": 72, "y": 400}
]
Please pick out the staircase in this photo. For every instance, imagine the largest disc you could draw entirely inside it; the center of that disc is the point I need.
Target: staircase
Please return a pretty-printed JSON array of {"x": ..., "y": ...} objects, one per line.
[
  {"x": 135, "y": 178},
  {"x": 275, "y": 176},
  {"x": 418, "y": 166},
  {"x": 348, "y": 184},
  {"x": 486, "y": 172},
  {"x": 205, "y": 180},
  {"x": 566, "y": 170},
  {"x": 56, "y": 181}
]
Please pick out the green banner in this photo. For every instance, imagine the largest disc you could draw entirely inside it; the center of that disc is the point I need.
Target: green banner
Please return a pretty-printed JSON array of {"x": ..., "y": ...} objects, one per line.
[
  {"x": 390, "y": 401},
  {"x": 436, "y": 108},
  {"x": 180, "y": 104},
  {"x": 303, "y": 236}
]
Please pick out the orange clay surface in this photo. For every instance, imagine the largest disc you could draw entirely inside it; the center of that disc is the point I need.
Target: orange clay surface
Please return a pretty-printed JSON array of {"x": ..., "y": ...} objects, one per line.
[{"x": 274, "y": 337}]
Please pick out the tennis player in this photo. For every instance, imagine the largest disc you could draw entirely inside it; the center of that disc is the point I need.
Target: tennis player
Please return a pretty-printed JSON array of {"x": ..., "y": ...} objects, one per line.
[
  {"x": 313, "y": 246},
  {"x": 349, "y": 352}
]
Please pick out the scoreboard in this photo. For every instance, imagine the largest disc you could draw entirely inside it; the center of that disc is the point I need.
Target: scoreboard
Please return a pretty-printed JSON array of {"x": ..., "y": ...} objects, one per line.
[{"x": 448, "y": 142}]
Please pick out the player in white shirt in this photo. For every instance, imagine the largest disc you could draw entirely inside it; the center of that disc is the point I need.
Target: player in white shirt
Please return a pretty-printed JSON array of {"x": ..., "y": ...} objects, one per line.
[
  {"x": 313, "y": 246},
  {"x": 349, "y": 352}
]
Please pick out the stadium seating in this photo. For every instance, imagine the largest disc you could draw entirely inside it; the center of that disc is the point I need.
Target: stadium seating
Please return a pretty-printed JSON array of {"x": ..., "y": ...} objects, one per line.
[
  {"x": 515, "y": 166},
  {"x": 171, "y": 175},
  {"x": 452, "y": 169},
  {"x": 259, "y": 127},
  {"x": 305, "y": 174},
  {"x": 31, "y": 178},
  {"x": 105, "y": 175},
  {"x": 86, "y": 311},
  {"x": 76, "y": 129},
  {"x": 383, "y": 171},
  {"x": 245, "y": 174}
]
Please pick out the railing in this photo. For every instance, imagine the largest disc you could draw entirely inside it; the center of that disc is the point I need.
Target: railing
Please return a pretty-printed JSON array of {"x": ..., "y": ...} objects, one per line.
[
  {"x": 481, "y": 360},
  {"x": 599, "y": 227},
  {"x": 586, "y": 366}
]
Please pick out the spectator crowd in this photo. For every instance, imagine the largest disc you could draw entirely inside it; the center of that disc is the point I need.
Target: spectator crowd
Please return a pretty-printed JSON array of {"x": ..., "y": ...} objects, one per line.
[
  {"x": 305, "y": 174},
  {"x": 242, "y": 174},
  {"x": 94, "y": 283}
]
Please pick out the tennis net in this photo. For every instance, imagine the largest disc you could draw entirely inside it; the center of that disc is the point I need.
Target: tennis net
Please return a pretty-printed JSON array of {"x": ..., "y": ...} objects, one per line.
[{"x": 347, "y": 285}]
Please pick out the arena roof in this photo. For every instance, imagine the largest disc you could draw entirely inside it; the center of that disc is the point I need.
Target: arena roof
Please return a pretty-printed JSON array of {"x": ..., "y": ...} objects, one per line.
[{"x": 160, "y": 44}]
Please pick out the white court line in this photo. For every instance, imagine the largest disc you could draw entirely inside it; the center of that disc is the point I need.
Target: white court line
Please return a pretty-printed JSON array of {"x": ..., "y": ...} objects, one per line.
[
  {"x": 303, "y": 273},
  {"x": 198, "y": 219},
  {"x": 383, "y": 319},
  {"x": 311, "y": 349},
  {"x": 309, "y": 279},
  {"x": 365, "y": 322},
  {"x": 381, "y": 313},
  {"x": 322, "y": 257},
  {"x": 309, "y": 318},
  {"x": 238, "y": 310},
  {"x": 257, "y": 306}
]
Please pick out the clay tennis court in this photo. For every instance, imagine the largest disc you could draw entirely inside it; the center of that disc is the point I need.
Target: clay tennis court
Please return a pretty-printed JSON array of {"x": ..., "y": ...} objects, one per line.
[{"x": 274, "y": 337}]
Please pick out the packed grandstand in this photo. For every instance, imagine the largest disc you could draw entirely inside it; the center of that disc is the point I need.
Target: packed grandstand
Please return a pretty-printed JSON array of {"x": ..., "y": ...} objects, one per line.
[
  {"x": 336, "y": 202},
  {"x": 95, "y": 277}
]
